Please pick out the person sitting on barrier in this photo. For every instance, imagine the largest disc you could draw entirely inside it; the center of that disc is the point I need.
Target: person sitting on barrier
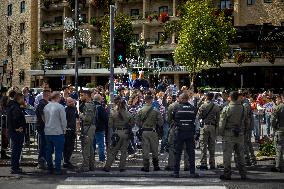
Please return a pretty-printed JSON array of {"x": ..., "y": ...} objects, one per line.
[{"x": 16, "y": 125}]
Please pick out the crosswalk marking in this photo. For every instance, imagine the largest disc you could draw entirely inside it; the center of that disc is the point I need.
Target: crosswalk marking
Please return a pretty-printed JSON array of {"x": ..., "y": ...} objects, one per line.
[
  {"x": 134, "y": 187},
  {"x": 141, "y": 179}
]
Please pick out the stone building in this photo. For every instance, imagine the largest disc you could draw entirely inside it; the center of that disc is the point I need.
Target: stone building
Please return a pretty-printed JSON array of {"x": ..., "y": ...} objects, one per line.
[
  {"x": 18, "y": 40},
  {"x": 252, "y": 19}
]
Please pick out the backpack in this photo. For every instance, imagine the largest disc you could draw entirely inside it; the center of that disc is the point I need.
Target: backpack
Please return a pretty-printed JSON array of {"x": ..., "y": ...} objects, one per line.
[
  {"x": 89, "y": 114},
  {"x": 184, "y": 117}
]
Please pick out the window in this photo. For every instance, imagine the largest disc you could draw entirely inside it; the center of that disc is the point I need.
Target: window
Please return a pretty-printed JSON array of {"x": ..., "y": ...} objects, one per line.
[
  {"x": 225, "y": 4},
  {"x": 22, "y": 48},
  {"x": 23, "y": 6},
  {"x": 22, "y": 28},
  {"x": 9, "y": 30},
  {"x": 58, "y": 41},
  {"x": 134, "y": 12},
  {"x": 267, "y": 1},
  {"x": 58, "y": 20},
  {"x": 282, "y": 23},
  {"x": 250, "y": 2},
  {"x": 9, "y": 10},
  {"x": 163, "y": 9},
  {"x": 9, "y": 50}
]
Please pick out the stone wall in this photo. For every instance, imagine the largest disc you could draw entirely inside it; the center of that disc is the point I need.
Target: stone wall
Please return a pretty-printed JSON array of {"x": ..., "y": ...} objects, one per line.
[{"x": 18, "y": 61}]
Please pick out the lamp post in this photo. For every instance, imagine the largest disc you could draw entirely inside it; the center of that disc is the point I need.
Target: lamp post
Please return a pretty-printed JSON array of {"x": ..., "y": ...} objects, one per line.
[
  {"x": 111, "y": 52},
  {"x": 76, "y": 46}
]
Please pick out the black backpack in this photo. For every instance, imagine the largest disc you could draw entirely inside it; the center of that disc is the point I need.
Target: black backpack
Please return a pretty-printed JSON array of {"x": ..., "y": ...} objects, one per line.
[{"x": 184, "y": 117}]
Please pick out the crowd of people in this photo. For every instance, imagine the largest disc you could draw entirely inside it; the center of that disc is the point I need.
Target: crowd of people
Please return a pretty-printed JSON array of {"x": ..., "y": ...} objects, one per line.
[{"x": 157, "y": 120}]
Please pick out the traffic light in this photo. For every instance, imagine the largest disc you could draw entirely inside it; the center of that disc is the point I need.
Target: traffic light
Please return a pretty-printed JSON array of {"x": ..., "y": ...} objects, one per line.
[{"x": 119, "y": 53}]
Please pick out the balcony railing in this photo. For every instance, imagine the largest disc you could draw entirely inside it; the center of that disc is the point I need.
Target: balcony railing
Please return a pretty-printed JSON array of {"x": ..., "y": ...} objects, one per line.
[{"x": 93, "y": 65}]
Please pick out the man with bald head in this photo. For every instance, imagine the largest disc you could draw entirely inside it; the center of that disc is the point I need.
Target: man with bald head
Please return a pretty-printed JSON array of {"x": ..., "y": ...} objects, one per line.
[
  {"x": 70, "y": 135},
  {"x": 101, "y": 125}
]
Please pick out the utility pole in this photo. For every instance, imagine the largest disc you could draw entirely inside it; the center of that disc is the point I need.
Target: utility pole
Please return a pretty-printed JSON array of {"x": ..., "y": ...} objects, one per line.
[
  {"x": 76, "y": 45},
  {"x": 111, "y": 53}
]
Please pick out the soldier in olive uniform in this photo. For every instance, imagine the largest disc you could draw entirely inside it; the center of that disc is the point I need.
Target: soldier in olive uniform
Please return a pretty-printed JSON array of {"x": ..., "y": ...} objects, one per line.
[
  {"x": 208, "y": 114},
  {"x": 120, "y": 121},
  {"x": 171, "y": 158},
  {"x": 87, "y": 132},
  {"x": 232, "y": 127},
  {"x": 148, "y": 118},
  {"x": 277, "y": 122}
]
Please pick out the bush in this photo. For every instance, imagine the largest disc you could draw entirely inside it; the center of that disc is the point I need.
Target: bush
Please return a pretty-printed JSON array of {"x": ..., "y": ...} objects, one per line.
[
  {"x": 90, "y": 85},
  {"x": 266, "y": 148}
]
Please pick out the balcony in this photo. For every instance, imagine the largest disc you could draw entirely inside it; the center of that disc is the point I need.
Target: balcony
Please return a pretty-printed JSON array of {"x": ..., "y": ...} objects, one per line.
[
  {"x": 54, "y": 5},
  {"x": 49, "y": 27}
]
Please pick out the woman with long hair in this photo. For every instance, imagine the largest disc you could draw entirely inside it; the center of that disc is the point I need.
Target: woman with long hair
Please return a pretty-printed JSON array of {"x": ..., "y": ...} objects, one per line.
[{"x": 121, "y": 121}]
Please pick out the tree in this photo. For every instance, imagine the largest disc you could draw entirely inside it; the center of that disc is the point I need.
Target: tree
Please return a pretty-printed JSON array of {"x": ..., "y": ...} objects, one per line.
[
  {"x": 123, "y": 33},
  {"x": 204, "y": 37}
]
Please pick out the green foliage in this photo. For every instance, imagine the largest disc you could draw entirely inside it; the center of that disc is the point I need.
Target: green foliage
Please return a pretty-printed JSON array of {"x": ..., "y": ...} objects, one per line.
[
  {"x": 241, "y": 57},
  {"x": 45, "y": 47},
  {"x": 269, "y": 56},
  {"x": 90, "y": 85},
  {"x": 123, "y": 32},
  {"x": 266, "y": 149},
  {"x": 204, "y": 37},
  {"x": 170, "y": 28}
]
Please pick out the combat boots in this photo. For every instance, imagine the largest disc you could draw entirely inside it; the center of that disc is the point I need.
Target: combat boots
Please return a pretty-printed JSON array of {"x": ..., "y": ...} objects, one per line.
[
  {"x": 156, "y": 164},
  {"x": 146, "y": 165}
]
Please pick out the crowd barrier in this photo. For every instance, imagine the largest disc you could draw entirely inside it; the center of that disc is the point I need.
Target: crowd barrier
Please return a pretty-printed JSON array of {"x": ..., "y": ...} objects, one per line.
[{"x": 31, "y": 142}]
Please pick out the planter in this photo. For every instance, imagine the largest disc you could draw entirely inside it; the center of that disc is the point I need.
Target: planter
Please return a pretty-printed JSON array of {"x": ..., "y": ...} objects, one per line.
[{"x": 164, "y": 17}]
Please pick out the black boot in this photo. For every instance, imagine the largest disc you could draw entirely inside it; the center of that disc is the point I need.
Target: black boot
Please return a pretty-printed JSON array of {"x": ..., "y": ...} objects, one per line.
[
  {"x": 4, "y": 155},
  {"x": 156, "y": 164},
  {"x": 146, "y": 165}
]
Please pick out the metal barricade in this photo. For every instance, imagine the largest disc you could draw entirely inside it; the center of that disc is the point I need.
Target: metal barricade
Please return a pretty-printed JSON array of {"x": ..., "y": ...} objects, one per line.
[{"x": 31, "y": 146}]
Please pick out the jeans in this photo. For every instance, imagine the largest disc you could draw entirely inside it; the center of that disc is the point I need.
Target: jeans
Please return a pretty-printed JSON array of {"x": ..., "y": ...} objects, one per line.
[
  {"x": 164, "y": 142},
  {"x": 42, "y": 146},
  {"x": 100, "y": 141},
  {"x": 256, "y": 126},
  {"x": 17, "y": 146},
  {"x": 268, "y": 123},
  {"x": 54, "y": 143},
  {"x": 180, "y": 139}
]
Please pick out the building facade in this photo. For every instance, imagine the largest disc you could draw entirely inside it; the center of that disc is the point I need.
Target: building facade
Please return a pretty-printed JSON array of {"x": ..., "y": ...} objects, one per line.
[
  {"x": 256, "y": 21},
  {"x": 18, "y": 41}
]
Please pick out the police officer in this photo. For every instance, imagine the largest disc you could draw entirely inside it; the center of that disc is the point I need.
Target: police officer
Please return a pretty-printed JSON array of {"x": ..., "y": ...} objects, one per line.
[
  {"x": 277, "y": 123},
  {"x": 87, "y": 131},
  {"x": 171, "y": 158},
  {"x": 208, "y": 114},
  {"x": 184, "y": 116},
  {"x": 120, "y": 121},
  {"x": 148, "y": 118},
  {"x": 232, "y": 127}
]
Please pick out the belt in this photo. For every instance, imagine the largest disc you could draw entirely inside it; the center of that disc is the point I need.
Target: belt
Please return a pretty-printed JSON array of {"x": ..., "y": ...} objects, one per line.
[
  {"x": 149, "y": 129},
  {"x": 121, "y": 129}
]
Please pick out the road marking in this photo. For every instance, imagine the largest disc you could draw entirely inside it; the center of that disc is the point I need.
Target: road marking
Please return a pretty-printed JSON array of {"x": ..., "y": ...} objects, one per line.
[
  {"x": 95, "y": 179},
  {"x": 134, "y": 187}
]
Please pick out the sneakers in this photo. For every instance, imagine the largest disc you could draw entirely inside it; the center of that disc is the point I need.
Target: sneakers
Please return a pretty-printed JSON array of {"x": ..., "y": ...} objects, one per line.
[
  {"x": 202, "y": 167},
  {"x": 175, "y": 175},
  {"x": 167, "y": 168},
  {"x": 223, "y": 177},
  {"x": 157, "y": 169},
  {"x": 16, "y": 171},
  {"x": 276, "y": 169},
  {"x": 145, "y": 169},
  {"x": 68, "y": 166}
]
